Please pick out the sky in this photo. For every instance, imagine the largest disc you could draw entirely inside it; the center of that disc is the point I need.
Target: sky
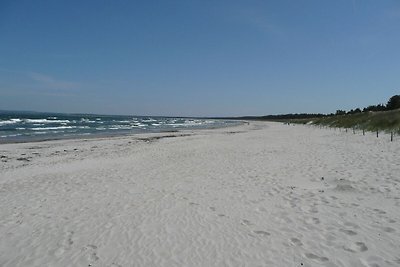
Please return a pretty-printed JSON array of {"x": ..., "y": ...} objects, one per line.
[{"x": 198, "y": 58}]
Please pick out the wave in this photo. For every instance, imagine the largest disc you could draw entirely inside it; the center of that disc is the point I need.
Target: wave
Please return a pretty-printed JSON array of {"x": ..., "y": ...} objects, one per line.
[
  {"x": 72, "y": 125},
  {"x": 10, "y": 135},
  {"x": 10, "y": 121},
  {"x": 88, "y": 121},
  {"x": 45, "y": 121},
  {"x": 52, "y": 128},
  {"x": 139, "y": 125},
  {"x": 148, "y": 120}
]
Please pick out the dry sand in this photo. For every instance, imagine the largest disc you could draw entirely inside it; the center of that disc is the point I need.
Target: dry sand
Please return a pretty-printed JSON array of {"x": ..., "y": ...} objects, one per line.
[{"x": 263, "y": 194}]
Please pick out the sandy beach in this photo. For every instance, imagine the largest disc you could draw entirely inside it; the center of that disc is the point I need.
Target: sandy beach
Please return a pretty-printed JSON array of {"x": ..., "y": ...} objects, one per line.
[{"x": 263, "y": 194}]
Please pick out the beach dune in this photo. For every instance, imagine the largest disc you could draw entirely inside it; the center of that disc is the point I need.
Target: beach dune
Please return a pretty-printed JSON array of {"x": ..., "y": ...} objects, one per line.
[{"x": 263, "y": 194}]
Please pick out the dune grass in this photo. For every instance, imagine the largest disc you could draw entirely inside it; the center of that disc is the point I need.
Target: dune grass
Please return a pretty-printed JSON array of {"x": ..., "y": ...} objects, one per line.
[{"x": 388, "y": 121}]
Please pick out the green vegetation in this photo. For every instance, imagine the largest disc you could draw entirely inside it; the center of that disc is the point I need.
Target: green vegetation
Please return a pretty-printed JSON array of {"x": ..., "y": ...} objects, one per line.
[
  {"x": 393, "y": 103},
  {"x": 369, "y": 121},
  {"x": 373, "y": 118}
]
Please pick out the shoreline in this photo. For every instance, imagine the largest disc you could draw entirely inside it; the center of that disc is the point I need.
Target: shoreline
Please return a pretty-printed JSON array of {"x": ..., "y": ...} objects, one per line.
[{"x": 115, "y": 135}]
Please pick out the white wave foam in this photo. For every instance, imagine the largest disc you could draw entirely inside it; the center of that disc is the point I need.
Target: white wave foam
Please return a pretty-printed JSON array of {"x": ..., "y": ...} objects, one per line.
[
  {"x": 10, "y": 135},
  {"x": 180, "y": 124},
  {"x": 45, "y": 121},
  {"x": 52, "y": 128},
  {"x": 88, "y": 121},
  {"x": 138, "y": 125},
  {"x": 120, "y": 127},
  {"x": 10, "y": 121}
]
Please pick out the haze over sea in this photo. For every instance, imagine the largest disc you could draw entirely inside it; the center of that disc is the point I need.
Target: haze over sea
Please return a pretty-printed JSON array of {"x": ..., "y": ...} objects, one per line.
[{"x": 25, "y": 126}]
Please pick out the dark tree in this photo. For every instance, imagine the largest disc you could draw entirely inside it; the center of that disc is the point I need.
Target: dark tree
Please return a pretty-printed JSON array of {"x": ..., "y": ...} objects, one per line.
[
  {"x": 393, "y": 103},
  {"x": 379, "y": 107}
]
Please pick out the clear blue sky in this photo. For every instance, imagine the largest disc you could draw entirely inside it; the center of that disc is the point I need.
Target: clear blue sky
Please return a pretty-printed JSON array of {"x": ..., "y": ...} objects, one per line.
[{"x": 198, "y": 58}]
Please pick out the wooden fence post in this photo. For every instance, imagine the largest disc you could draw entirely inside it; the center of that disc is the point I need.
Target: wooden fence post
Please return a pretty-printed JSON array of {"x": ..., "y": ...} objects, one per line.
[{"x": 391, "y": 136}]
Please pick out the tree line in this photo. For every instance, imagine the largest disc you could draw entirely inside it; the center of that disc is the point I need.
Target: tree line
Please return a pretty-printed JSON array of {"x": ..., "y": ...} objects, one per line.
[{"x": 393, "y": 103}]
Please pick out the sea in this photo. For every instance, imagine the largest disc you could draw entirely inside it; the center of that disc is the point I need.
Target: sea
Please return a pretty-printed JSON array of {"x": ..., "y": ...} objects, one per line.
[{"x": 32, "y": 126}]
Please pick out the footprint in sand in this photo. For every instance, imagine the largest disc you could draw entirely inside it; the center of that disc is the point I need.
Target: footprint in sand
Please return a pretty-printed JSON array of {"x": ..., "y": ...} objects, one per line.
[
  {"x": 344, "y": 186},
  {"x": 388, "y": 229},
  {"x": 379, "y": 211},
  {"x": 91, "y": 253},
  {"x": 65, "y": 244},
  {"x": 350, "y": 224},
  {"x": 313, "y": 220},
  {"x": 246, "y": 222},
  {"x": 316, "y": 257},
  {"x": 262, "y": 233},
  {"x": 296, "y": 241},
  {"x": 356, "y": 247},
  {"x": 348, "y": 232}
]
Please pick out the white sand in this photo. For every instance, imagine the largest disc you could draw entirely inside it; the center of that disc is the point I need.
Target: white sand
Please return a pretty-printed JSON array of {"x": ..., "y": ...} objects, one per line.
[{"x": 252, "y": 195}]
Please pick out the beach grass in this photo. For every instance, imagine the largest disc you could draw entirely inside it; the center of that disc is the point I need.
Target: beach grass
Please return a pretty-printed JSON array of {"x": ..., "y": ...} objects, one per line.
[{"x": 388, "y": 121}]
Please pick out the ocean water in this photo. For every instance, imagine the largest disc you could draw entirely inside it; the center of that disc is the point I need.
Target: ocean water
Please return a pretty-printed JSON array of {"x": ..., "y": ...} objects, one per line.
[{"x": 21, "y": 127}]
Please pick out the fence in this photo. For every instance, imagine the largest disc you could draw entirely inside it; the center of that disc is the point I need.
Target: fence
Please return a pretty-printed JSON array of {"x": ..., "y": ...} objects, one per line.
[{"x": 392, "y": 132}]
